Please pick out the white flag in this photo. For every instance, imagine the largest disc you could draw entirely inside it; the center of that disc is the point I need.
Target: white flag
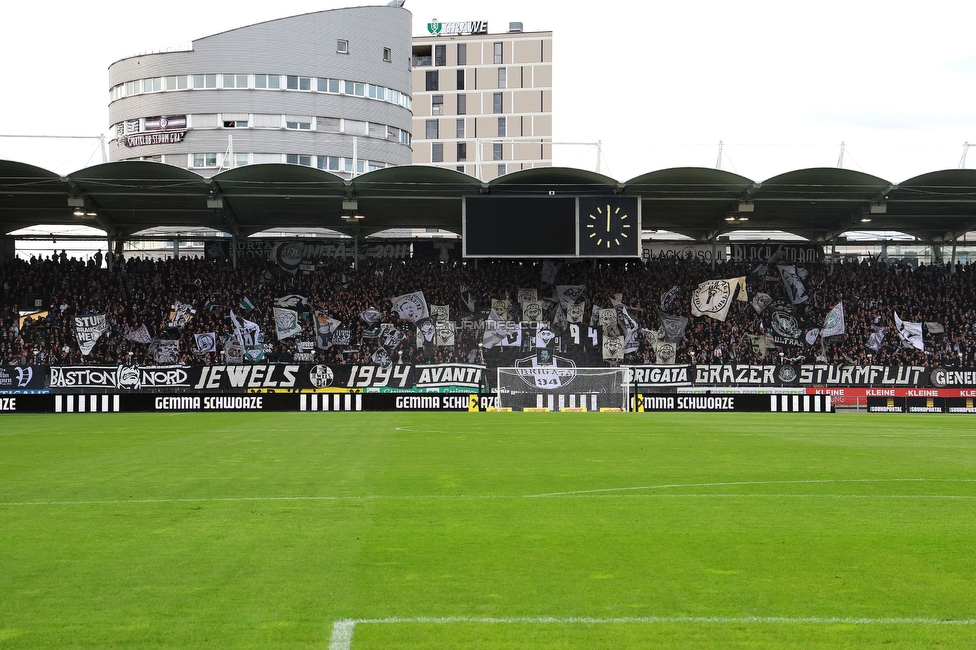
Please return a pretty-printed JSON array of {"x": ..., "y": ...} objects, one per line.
[
  {"x": 411, "y": 306},
  {"x": 286, "y": 323},
  {"x": 206, "y": 342},
  {"x": 834, "y": 323},
  {"x": 910, "y": 333},
  {"x": 88, "y": 329},
  {"x": 714, "y": 297},
  {"x": 876, "y": 339},
  {"x": 568, "y": 293},
  {"x": 794, "y": 286}
]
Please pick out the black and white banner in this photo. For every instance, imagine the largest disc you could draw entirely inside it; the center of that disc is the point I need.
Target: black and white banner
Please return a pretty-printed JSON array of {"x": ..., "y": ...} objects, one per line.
[
  {"x": 88, "y": 329},
  {"x": 16, "y": 379}
]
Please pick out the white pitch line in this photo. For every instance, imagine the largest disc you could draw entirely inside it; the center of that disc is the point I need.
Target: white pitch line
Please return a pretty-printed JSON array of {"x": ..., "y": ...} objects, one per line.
[
  {"x": 342, "y": 630},
  {"x": 602, "y": 492},
  {"x": 730, "y": 483}
]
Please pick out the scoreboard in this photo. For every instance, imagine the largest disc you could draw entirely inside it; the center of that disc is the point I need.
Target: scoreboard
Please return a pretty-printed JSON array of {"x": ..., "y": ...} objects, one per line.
[{"x": 551, "y": 226}]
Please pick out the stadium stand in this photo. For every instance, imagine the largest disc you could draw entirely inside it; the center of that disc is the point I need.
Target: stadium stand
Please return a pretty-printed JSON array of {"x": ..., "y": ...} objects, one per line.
[{"x": 142, "y": 292}]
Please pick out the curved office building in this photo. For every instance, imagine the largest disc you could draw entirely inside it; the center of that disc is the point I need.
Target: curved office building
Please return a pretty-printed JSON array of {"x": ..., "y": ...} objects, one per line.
[{"x": 330, "y": 89}]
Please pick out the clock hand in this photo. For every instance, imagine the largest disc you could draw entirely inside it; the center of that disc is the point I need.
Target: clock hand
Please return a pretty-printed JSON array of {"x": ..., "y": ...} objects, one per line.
[{"x": 608, "y": 219}]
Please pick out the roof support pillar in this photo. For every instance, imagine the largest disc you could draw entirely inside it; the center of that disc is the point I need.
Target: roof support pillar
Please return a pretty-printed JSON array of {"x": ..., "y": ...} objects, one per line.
[
  {"x": 952, "y": 262},
  {"x": 713, "y": 252},
  {"x": 833, "y": 253},
  {"x": 355, "y": 250},
  {"x": 233, "y": 251},
  {"x": 109, "y": 261},
  {"x": 8, "y": 248}
]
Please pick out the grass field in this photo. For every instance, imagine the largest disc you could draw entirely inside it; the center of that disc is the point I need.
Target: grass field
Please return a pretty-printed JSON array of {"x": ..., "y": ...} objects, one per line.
[{"x": 364, "y": 531}]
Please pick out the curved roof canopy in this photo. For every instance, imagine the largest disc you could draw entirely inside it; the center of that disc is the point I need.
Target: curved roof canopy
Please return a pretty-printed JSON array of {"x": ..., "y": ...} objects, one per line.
[{"x": 123, "y": 198}]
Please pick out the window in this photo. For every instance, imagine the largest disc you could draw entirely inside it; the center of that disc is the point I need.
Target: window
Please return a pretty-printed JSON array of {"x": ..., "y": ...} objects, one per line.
[
  {"x": 502, "y": 127},
  {"x": 496, "y": 151},
  {"x": 437, "y": 152},
  {"x": 462, "y": 104},
  {"x": 502, "y": 170},
  {"x": 240, "y": 159},
  {"x": 462, "y": 53},
  {"x": 342, "y": 46},
  {"x": 295, "y": 159},
  {"x": 204, "y": 160},
  {"x": 498, "y": 54},
  {"x": 133, "y": 87},
  {"x": 263, "y": 121},
  {"x": 460, "y": 128},
  {"x": 235, "y": 124},
  {"x": 502, "y": 77},
  {"x": 271, "y": 81},
  {"x": 432, "y": 80},
  {"x": 460, "y": 79},
  {"x": 355, "y": 127},
  {"x": 300, "y": 123},
  {"x": 175, "y": 83},
  {"x": 376, "y": 92},
  {"x": 387, "y": 54},
  {"x": 432, "y": 130},
  {"x": 328, "y": 85},
  {"x": 440, "y": 55},
  {"x": 293, "y": 82},
  {"x": 462, "y": 151},
  {"x": 347, "y": 165},
  {"x": 204, "y": 81},
  {"x": 328, "y": 124},
  {"x": 460, "y": 168},
  {"x": 355, "y": 88},
  {"x": 436, "y": 104},
  {"x": 330, "y": 163},
  {"x": 153, "y": 85},
  {"x": 234, "y": 80},
  {"x": 392, "y": 133},
  {"x": 496, "y": 103}
]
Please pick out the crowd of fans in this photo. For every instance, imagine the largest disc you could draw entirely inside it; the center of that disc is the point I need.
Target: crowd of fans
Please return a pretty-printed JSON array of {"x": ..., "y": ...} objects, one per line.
[{"x": 142, "y": 291}]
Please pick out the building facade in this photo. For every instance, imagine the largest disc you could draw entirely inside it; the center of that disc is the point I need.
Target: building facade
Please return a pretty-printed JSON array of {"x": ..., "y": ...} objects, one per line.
[
  {"x": 482, "y": 103},
  {"x": 329, "y": 89}
]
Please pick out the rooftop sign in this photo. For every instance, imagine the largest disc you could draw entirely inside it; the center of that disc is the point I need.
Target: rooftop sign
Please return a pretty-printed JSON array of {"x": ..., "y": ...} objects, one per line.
[{"x": 469, "y": 27}]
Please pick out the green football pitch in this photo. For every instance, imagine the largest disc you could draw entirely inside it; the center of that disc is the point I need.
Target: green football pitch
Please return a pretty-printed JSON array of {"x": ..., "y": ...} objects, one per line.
[{"x": 355, "y": 531}]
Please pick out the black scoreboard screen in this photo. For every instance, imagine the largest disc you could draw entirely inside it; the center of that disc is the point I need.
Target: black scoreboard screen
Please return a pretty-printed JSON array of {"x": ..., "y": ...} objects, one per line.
[
  {"x": 551, "y": 226},
  {"x": 519, "y": 227}
]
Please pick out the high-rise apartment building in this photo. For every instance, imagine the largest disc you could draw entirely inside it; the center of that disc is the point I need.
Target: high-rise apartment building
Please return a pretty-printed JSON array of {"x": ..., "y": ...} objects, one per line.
[{"x": 482, "y": 103}]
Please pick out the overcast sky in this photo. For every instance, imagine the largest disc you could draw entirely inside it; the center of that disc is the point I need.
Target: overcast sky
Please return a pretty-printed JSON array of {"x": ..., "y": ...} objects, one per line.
[{"x": 658, "y": 83}]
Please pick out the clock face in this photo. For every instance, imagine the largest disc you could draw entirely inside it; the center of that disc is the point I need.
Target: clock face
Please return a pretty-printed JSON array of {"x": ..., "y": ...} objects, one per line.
[{"x": 609, "y": 226}]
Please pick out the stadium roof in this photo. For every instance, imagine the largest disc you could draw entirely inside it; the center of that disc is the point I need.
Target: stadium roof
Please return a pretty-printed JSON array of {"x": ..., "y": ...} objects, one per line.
[{"x": 123, "y": 198}]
